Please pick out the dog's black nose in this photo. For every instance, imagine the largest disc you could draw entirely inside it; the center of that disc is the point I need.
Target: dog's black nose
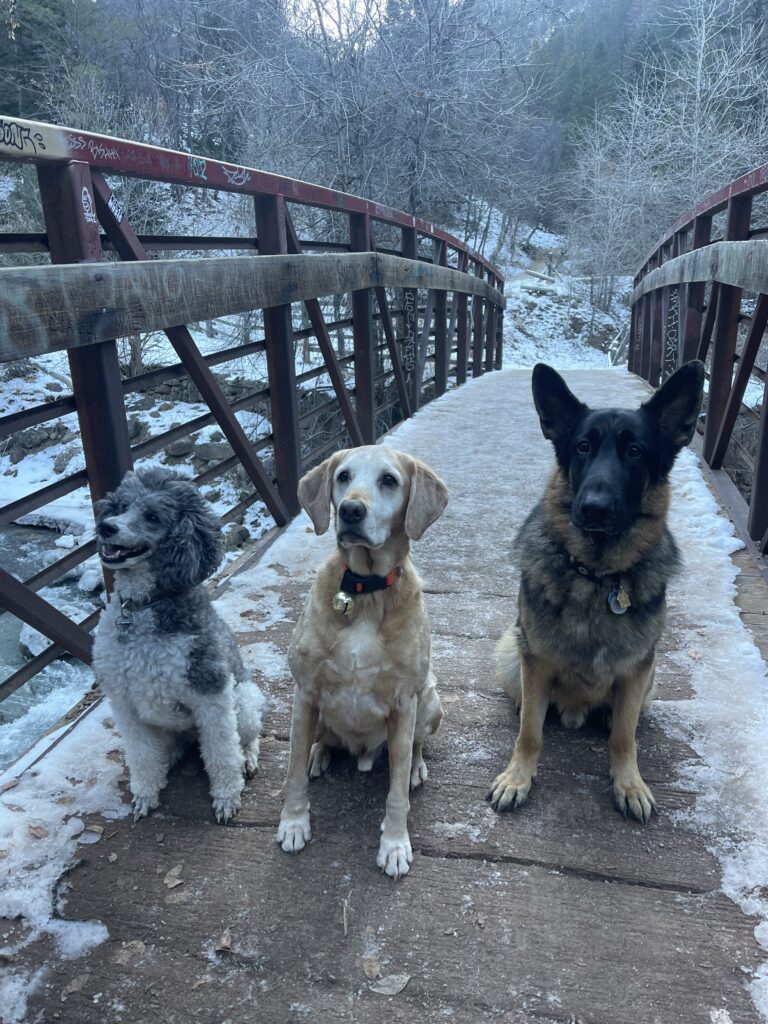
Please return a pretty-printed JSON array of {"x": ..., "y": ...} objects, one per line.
[
  {"x": 596, "y": 507},
  {"x": 106, "y": 529},
  {"x": 352, "y": 512}
]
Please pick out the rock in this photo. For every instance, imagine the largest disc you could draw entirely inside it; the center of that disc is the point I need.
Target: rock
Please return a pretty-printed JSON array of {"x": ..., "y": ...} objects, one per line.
[
  {"x": 135, "y": 427},
  {"x": 90, "y": 580},
  {"x": 54, "y": 385},
  {"x": 33, "y": 437},
  {"x": 177, "y": 449},
  {"x": 236, "y": 537},
  {"x": 16, "y": 455},
  {"x": 211, "y": 451},
  {"x": 64, "y": 457}
]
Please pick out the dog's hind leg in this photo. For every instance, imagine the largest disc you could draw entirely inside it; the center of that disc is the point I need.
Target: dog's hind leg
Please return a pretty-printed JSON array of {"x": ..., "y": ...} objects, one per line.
[
  {"x": 429, "y": 715},
  {"x": 320, "y": 754},
  {"x": 631, "y": 796},
  {"x": 249, "y": 703},
  {"x": 508, "y": 665}
]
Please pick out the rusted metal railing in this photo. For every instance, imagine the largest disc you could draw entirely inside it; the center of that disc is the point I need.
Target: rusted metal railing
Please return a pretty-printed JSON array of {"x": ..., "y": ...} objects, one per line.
[
  {"x": 702, "y": 293},
  {"x": 83, "y": 309}
]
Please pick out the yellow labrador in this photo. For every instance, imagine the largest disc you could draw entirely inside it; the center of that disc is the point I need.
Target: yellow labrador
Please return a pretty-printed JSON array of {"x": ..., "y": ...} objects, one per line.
[{"x": 360, "y": 654}]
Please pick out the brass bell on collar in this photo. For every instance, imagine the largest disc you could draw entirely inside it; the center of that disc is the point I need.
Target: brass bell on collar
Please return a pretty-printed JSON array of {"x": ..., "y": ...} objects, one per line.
[{"x": 342, "y": 602}]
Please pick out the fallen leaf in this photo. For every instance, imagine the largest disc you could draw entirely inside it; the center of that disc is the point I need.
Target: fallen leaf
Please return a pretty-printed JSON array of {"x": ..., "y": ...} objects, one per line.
[
  {"x": 76, "y": 985},
  {"x": 38, "y": 831},
  {"x": 9, "y": 784},
  {"x": 128, "y": 951},
  {"x": 225, "y": 942},
  {"x": 4, "y": 854},
  {"x": 372, "y": 968},
  {"x": 91, "y": 833},
  {"x": 309, "y": 529},
  {"x": 65, "y": 799},
  {"x": 172, "y": 877},
  {"x": 201, "y": 981},
  {"x": 391, "y": 985}
]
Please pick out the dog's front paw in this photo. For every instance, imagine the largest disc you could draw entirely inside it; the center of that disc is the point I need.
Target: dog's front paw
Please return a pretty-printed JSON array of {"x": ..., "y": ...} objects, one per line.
[
  {"x": 294, "y": 833},
  {"x": 419, "y": 773},
  {"x": 143, "y": 803},
  {"x": 632, "y": 798},
  {"x": 395, "y": 855},
  {"x": 226, "y": 806},
  {"x": 510, "y": 789}
]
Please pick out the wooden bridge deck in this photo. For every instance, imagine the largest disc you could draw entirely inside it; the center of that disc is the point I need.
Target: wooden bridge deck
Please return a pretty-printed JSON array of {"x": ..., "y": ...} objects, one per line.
[{"x": 562, "y": 912}]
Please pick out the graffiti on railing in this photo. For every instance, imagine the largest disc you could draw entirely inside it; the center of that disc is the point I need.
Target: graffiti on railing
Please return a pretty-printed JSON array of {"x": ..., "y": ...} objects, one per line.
[
  {"x": 408, "y": 346},
  {"x": 236, "y": 175},
  {"x": 19, "y": 136},
  {"x": 671, "y": 332}
]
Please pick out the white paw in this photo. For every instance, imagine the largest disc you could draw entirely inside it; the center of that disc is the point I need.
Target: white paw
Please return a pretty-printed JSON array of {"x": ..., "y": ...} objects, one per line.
[
  {"x": 143, "y": 803},
  {"x": 419, "y": 773},
  {"x": 226, "y": 806},
  {"x": 319, "y": 760},
  {"x": 294, "y": 833},
  {"x": 395, "y": 855},
  {"x": 365, "y": 761},
  {"x": 251, "y": 759}
]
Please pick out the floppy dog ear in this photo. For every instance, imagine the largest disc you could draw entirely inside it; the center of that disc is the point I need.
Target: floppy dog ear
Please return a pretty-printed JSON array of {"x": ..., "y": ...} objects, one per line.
[
  {"x": 426, "y": 501},
  {"x": 192, "y": 549},
  {"x": 315, "y": 490},
  {"x": 557, "y": 407},
  {"x": 677, "y": 403}
]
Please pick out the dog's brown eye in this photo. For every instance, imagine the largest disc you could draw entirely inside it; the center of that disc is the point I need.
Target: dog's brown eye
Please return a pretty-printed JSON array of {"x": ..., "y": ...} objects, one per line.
[
  {"x": 634, "y": 451},
  {"x": 584, "y": 447},
  {"x": 388, "y": 480},
  {"x": 343, "y": 477},
  {"x": 152, "y": 517}
]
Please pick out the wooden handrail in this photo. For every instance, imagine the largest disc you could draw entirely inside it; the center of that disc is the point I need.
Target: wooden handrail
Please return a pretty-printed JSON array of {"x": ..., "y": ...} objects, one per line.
[
  {"x": 739, "y": 264},
  {"x": 48, "y": 309}
]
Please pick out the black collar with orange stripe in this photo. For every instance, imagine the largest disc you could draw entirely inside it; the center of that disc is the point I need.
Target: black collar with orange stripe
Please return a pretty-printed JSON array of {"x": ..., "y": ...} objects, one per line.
[{"x": 352, "y": 583}]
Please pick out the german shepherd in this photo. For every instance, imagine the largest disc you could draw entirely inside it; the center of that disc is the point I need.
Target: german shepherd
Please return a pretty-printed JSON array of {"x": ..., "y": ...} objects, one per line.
[{"x": 595, "y": 556}]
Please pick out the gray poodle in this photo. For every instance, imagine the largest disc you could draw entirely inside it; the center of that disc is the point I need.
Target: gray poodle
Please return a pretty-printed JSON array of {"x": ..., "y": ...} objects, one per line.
[{"x": 167, "y": 662}]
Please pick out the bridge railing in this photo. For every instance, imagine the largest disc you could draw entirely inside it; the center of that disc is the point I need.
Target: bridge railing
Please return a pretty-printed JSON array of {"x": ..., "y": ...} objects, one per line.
[
  {"x": 428, "y": 301},
  {"x": 702, "y": 293}
]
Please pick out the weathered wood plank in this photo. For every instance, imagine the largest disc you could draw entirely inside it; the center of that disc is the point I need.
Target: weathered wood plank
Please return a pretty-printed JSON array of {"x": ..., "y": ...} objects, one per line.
[
  {"x": 741, "y": 265},
  {"x": 45, "y": 309},
  {"x": 511, "y": 935}
]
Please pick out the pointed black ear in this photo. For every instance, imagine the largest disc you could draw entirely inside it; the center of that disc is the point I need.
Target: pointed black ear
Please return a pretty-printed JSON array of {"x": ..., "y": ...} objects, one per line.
[
  {"x": 557, "y": 407},
  {"x": 677, "y": 403}
]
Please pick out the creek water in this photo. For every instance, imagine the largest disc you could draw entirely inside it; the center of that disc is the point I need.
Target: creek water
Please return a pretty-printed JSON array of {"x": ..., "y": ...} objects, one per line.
[{"x": 34, "y": 707}]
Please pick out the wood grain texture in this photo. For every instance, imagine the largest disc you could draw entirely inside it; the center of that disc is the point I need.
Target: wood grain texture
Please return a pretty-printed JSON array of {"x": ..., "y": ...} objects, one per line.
[
  {"x": 46, "y": 309},
  {"x": 737, "y": 264}
]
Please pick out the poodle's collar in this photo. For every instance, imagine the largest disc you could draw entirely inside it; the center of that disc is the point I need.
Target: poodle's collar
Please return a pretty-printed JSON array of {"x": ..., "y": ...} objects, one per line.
[{"x": 130, "y": 605}]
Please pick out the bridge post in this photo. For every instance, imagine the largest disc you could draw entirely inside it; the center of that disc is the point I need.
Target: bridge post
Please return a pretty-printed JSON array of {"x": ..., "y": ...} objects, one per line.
[
  {"x": 462, "y": 327},
  {"x": 362, "y": 331},
  {"x": 757, "y": 523},
  {"x": 499, "y": 356},
  {"x": 442, "y": 342},
  {"x": 737, "y": 219},
  {"x": 69, "y": 210},
  {"x": 272, "y": 238},
  {"x": 477, "y": 328},
  {"x": 694, "y": 296}
]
